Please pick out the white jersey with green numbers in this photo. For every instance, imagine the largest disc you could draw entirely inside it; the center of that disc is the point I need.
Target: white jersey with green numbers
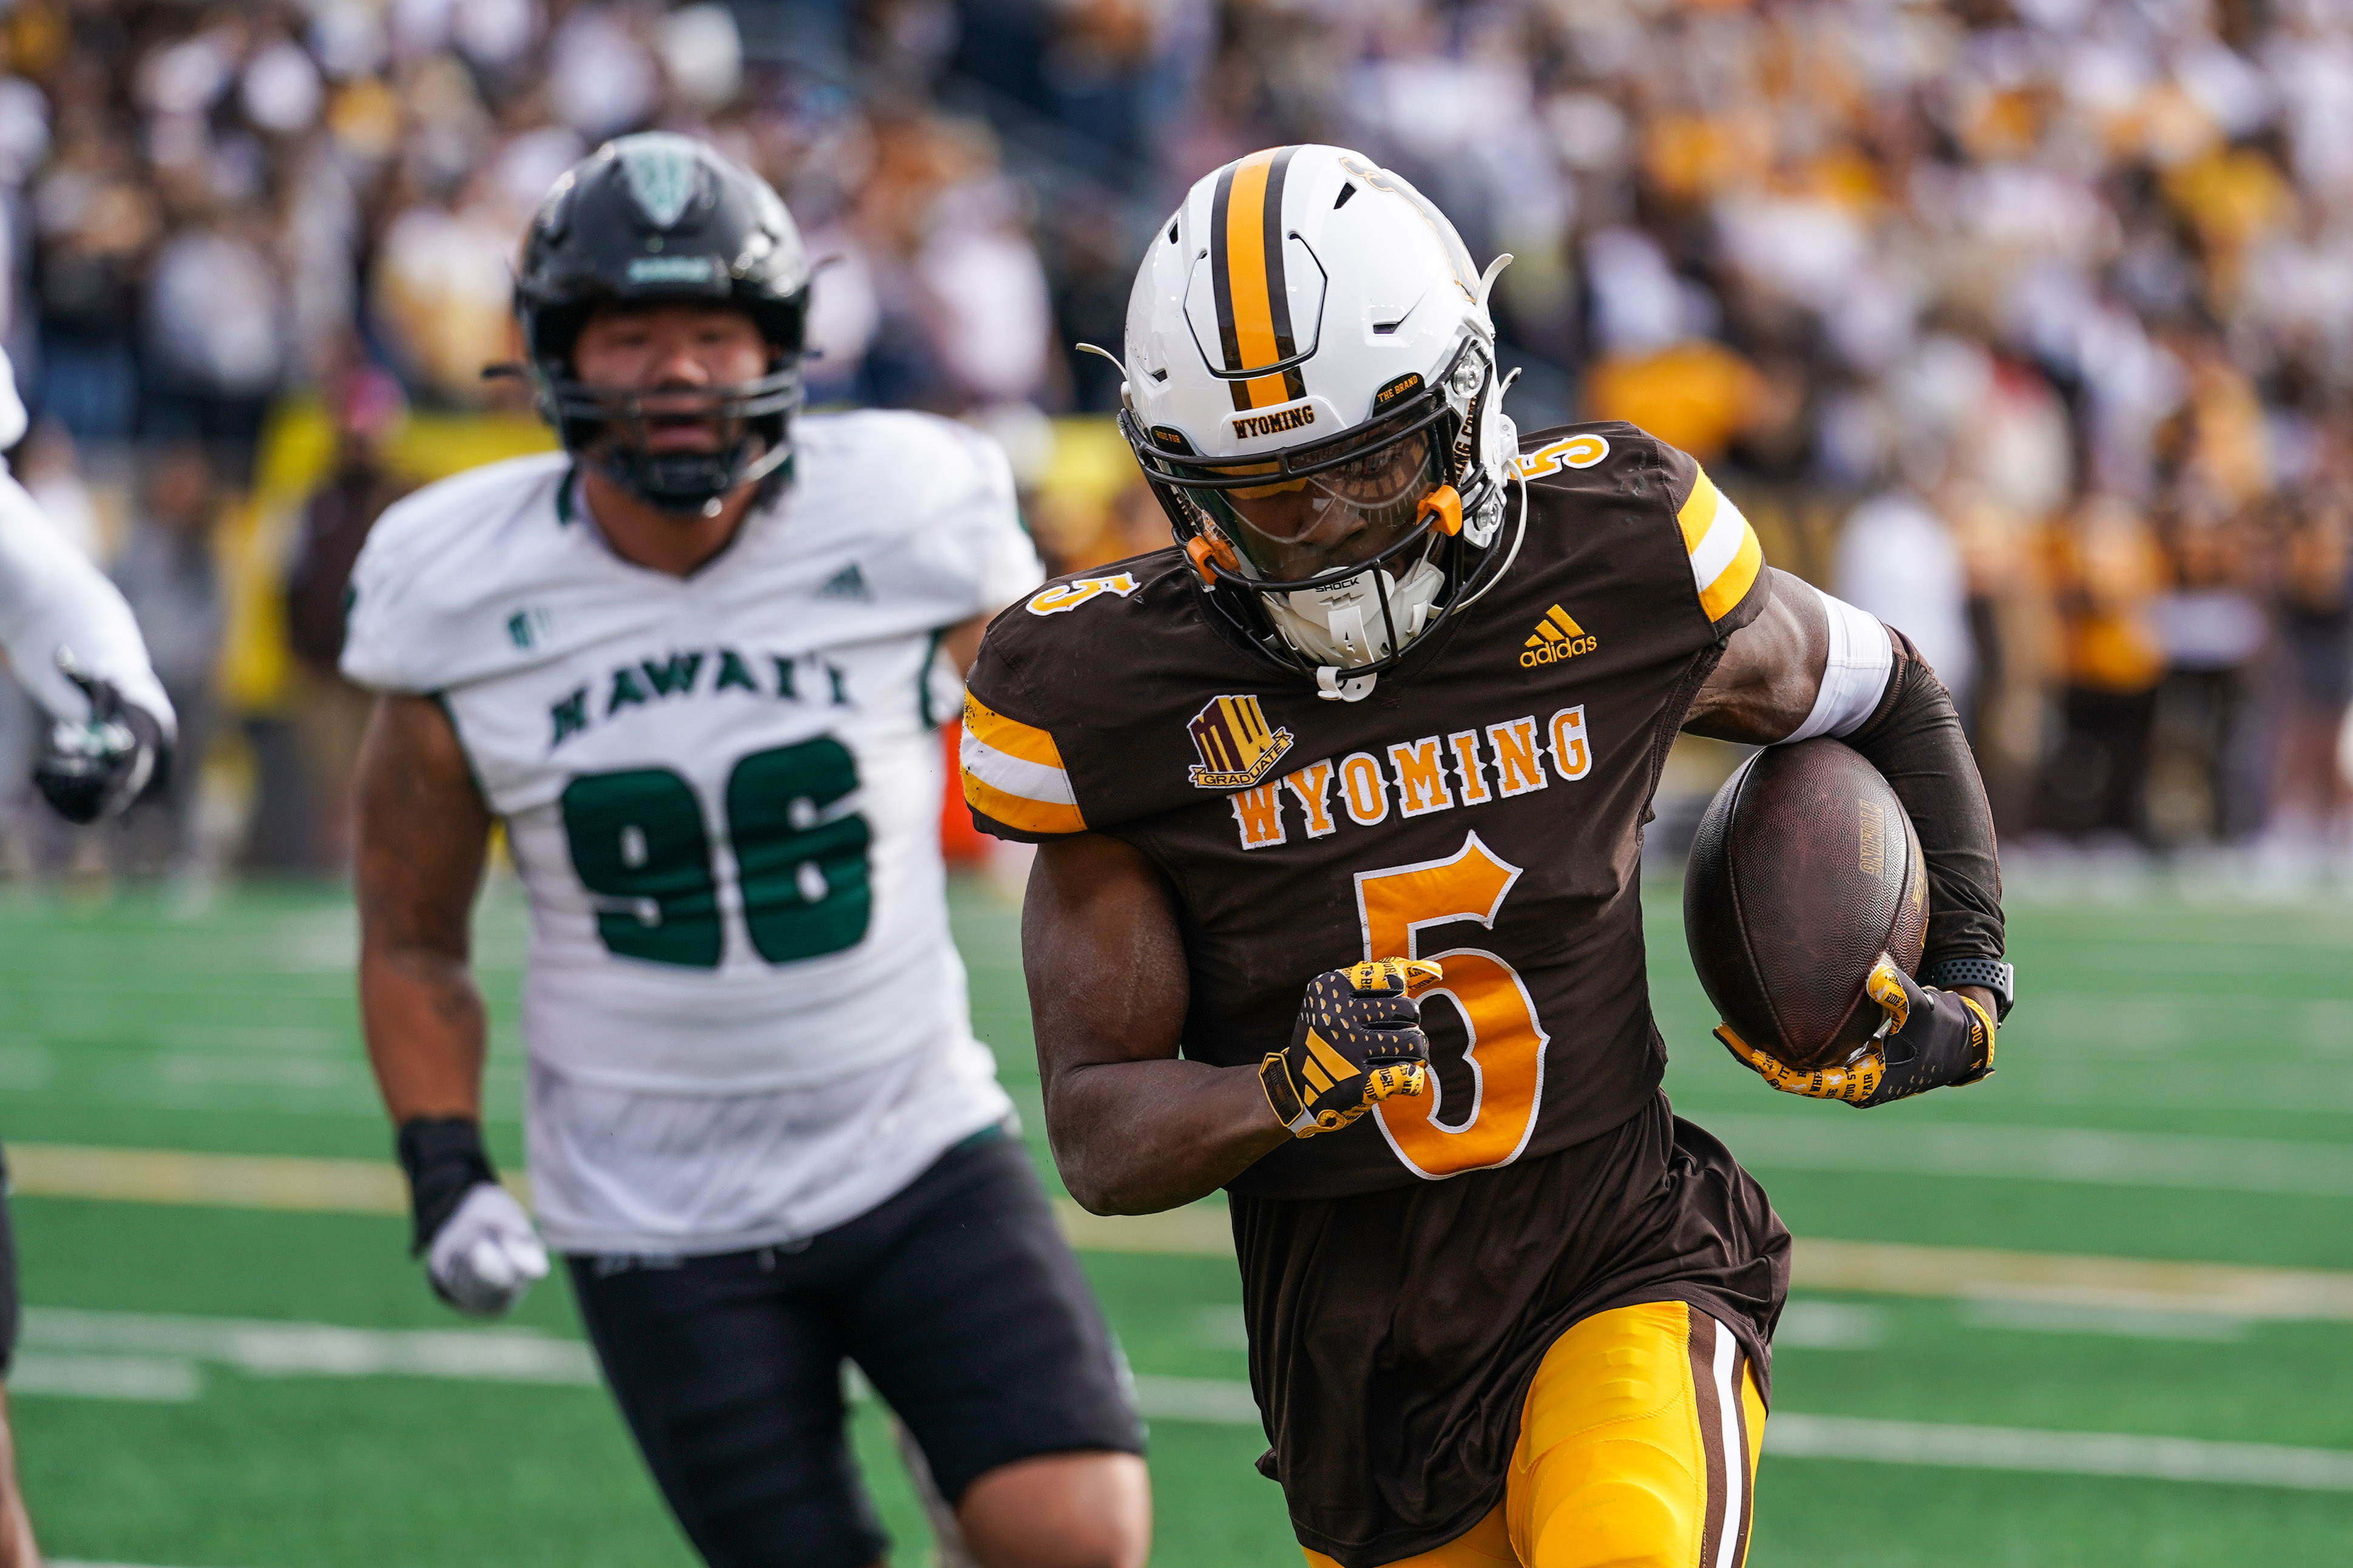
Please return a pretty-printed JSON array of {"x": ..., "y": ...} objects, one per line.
[{"x": 745, "y": 1018}]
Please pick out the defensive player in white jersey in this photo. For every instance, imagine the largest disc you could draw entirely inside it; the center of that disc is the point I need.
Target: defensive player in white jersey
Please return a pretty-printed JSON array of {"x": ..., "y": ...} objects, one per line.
[
  {"x": 696, "y": 668},
  {"x": 71, "y": 642}
]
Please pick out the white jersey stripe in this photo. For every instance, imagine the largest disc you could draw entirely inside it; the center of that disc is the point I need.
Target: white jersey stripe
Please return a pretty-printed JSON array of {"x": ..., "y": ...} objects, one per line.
[
  {"x": 1719, "y": 545},
  {"x": 1001, "y": 771},
  {"x": 1726, "y": 1372}
]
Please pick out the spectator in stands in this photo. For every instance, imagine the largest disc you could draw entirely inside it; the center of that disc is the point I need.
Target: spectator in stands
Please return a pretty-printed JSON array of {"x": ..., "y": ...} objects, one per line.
[
  {"x": 2110, "y": 569},
  {"x": 328, "y": 711},
  {"x": 168, "y": 574},
  {"x": 2316, "y": 617}
]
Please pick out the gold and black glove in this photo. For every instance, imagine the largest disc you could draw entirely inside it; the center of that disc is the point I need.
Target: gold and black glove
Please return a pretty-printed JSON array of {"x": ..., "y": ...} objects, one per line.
[
  {"x": 1358, "y": 1041},
  {"x": 1932, "y": 1039}
]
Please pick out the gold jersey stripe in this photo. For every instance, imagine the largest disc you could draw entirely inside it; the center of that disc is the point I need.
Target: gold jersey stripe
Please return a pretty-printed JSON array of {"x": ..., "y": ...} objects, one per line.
[
  {"x": 1011, "y": 736},
  {"x": 1698, "y": 511},
  {"x": 1020, "y": 812},
  {"x": 1732, "y": 583}
]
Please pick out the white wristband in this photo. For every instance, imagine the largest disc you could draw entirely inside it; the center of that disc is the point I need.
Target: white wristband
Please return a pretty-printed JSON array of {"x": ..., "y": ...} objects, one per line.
[{"x": 1854, "y": 676}]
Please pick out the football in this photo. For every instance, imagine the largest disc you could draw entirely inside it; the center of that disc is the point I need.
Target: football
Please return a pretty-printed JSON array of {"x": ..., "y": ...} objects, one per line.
[{"x": 1805, "y": 870}]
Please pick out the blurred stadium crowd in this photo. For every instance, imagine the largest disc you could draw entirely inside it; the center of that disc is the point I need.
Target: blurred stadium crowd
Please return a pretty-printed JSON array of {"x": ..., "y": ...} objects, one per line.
[{"x": 2025, "y": 324}]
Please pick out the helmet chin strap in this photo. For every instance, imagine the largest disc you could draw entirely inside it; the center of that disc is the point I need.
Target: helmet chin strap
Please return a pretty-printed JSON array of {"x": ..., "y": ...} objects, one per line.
[
  {"x": 1331, "y": 685},
  {"x": 690, "y": 484},
  {"x": 1343, "y": 624}
]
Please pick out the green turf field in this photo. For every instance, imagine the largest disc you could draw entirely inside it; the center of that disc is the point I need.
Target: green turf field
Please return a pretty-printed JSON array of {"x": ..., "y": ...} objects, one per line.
[{"x": 2177, "y": 1087}]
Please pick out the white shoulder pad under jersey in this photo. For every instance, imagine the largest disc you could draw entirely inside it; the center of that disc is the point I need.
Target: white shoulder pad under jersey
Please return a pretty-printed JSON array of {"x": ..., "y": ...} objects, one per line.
[
  {"x": 437, "y": 565},
  {"x": 911, "y": 517},
  {"x": 52, "y": 597}
]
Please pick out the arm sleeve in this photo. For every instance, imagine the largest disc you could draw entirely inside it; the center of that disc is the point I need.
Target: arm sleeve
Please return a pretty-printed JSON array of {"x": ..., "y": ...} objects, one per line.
[
  {"x": 52, "y": 597},
  {"x": 1914, "y": 738},
  {"x": 1854, "y": 676}
]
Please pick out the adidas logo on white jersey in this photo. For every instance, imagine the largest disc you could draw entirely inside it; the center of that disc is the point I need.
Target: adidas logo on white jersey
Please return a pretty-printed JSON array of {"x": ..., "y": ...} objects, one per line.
[{"x": 848, "y": 582}]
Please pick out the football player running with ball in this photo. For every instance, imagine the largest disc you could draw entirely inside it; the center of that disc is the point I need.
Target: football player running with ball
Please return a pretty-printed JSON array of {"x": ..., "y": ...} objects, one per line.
[
  {"x": 693, "y": 665},
  {"x": 1336, "y": 905}
]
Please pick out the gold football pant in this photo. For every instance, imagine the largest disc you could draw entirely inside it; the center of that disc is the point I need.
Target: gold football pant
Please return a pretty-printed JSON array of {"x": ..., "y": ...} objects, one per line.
[{"x": 1634, "y": 1452}]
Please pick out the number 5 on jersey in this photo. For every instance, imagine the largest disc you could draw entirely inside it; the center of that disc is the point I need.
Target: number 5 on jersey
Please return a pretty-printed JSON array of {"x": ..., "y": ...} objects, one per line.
[
  {"x": 1505, "y": 1054},
  {"x": 638, "y": 842}
]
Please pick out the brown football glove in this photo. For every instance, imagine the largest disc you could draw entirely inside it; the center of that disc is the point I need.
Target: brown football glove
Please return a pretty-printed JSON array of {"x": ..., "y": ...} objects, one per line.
[
  {"x": 1932, "y": 1039},
  {"x": 1358, "y": 1041}
]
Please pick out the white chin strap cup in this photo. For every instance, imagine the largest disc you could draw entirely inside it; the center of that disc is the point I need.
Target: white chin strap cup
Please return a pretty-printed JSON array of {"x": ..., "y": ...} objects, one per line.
[{"x": 1331, "y": 685}]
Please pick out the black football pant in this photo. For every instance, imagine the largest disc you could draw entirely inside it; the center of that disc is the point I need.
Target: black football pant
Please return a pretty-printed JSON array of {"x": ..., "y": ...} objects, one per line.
[{"x": 958, "y": 1298}]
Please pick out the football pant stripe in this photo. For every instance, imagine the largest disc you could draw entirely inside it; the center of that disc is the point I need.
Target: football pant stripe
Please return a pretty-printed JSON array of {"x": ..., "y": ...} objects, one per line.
[
  {"x": 1019, "y": 811},
  {"x": 1010, "y": 736},
  {"x": 1731, "y": 1447},
  {"x": 1704, "y": 1340}
]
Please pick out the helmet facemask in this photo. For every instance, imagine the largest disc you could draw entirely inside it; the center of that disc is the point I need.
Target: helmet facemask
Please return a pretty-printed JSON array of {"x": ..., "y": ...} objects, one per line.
[
  {"x": 1333, "y": 557},
  {"x": 751, "y": 417}
]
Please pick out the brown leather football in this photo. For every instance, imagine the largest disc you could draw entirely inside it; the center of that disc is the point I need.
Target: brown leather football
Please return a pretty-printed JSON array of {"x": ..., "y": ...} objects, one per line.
[{"x": 1805, "y": 870}]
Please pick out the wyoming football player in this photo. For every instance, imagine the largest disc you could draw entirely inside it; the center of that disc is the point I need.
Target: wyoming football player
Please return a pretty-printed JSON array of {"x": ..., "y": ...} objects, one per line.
[{"x": 1339, "y": 808}]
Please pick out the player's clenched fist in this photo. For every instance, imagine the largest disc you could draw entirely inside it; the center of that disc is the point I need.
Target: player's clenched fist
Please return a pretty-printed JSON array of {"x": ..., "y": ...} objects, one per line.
[
  {"x": 1932, "y": 1039},
  {"x": 1358, "y": 1041}
]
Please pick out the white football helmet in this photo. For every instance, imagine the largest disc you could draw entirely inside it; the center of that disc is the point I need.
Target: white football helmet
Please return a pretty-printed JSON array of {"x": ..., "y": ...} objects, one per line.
[{"x": 1312, "y": 390}]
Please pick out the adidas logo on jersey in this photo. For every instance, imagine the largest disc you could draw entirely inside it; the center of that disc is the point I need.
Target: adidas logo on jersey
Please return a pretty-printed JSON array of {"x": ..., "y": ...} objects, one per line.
[
  {"x": 848, "y": 582},
  {"x": 1556, "y": 636}
]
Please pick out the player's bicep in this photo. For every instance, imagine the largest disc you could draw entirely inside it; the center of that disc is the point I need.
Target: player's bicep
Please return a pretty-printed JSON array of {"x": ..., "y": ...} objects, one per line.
[
  {"x": 1103, "y": 955},
  {"x": 1807, "y": 665},
  {"x": 423, "y": 829}
]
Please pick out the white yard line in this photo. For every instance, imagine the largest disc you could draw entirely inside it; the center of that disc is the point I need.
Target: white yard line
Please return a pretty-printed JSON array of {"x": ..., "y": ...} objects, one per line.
[
  {"x": 148, "y": 1357},
  {"x": 268, "y": 1349},
  {"x": 1908, "y": 1146},
  {"x": 1798, "y": 1436},
  {"x": 146, "y": 1379}
]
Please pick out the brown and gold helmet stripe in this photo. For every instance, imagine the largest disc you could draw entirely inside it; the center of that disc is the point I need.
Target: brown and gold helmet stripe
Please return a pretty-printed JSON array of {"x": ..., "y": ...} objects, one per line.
[{"x": 1245, "y": 267}]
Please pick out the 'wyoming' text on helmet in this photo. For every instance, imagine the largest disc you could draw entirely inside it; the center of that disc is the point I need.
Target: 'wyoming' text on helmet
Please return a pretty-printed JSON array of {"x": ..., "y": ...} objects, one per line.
[
  {"x": 1312, "y": 390},
  {"x": 660, "y": 218}
]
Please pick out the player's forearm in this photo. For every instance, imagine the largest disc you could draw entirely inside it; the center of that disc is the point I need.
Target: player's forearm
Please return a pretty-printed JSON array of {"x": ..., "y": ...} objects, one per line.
[
  {"x": 426, "y": 1031},
  {"x": 1137, "y": 1137}
]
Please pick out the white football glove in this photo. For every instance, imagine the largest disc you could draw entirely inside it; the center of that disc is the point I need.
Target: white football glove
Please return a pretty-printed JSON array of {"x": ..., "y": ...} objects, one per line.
[{"x": 488, "y": 1255}]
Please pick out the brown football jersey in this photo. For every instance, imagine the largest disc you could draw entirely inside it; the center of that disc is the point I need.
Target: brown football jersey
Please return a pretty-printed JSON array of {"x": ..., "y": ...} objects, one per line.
[{"x": 1482, "y": 807}]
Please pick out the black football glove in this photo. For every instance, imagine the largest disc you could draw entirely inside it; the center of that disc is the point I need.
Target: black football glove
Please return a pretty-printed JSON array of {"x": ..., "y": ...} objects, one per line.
[
  {"x": 94, "y": 767},
  {"x": 1931, "y": 1039},
  {"x": 1358, "y": 1041}
]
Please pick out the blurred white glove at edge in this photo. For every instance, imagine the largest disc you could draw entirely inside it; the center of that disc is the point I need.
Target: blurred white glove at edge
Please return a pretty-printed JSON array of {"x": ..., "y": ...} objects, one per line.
[{"x": 488, "y": 1255}]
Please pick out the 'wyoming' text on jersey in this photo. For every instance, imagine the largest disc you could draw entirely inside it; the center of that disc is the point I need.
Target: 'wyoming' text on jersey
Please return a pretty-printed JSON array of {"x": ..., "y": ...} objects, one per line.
[{"x": 1431, "y": 774}]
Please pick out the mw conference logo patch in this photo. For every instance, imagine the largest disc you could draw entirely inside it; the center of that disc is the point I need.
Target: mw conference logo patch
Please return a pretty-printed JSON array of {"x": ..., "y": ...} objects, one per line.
[{"x": 1235, "y": 746}]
